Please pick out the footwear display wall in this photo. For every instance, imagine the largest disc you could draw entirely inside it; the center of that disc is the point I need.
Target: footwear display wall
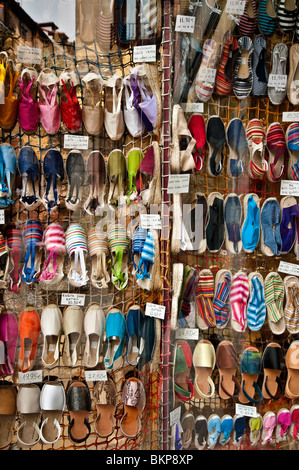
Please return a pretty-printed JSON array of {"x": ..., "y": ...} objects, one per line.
[
  {"x": 233, "y": 245},
  {"x": 149, "y": 230}
]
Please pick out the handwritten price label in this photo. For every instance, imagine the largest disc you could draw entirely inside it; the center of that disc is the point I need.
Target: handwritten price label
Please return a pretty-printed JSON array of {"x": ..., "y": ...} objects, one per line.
[
  {"x": 73, "y": 299},
  {"x": 178, "y": 184},
  {"x": 152, "y": 221},
  {"x": 144, "y": 53},
  {"x": 155, "y": 310},
  {"x": 96, "y": 375},
  {"x": 29, "y": 55},
  {"x": 289, "y": 188},
  {"x": 207, "y": 75},
  {"x": 78, "y": 142},
  {"x": 235, "y": 7},
  {"x": 290, "y": 116},
  {"x": 288, "y": 268},
  {"x": 184, "y": 24},
  {"x": 277, "y": 81},
  {"x": 29, "y": 377},
  {"x": 246, "y": 410},
  {"x": 187, "y": 333}
]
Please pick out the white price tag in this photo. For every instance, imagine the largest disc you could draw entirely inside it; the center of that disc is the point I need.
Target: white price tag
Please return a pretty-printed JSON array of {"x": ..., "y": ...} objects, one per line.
[
  {"x": 290, "y": 116},
  {"x": 288, "y": 268},
  {"x": 96, "y": 375},
  {"x": 178, "y": 184},
  {"x": 246, "y": 410},
  {"x": 187, "y": 333},
  {"x": 277, "y": 81},
  {"x": 32, "y": 376},
  {"x": 76, "y": 142},
  {"x": 155, "y": 310},
  {"x": 73, "y": 299},
  {"x": 207, "y": 75},
  {"x": 148, "y": 221},
  {"x": 2, "y": 217},
  {"x": 175, "y": 416},
  {"x": 194, "y": 108},
  {"x": 184, "y": 24},
  {"x": 29, "y": 55},
  {"x": 144, "y": 53},
  {"x": 289, "y": 188},
  {"x": 235, "y": 7}
]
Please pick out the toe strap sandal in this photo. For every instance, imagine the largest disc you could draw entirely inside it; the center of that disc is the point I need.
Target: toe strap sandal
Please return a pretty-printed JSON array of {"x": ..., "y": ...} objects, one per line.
[
  {"x": 204, "y": 359},
  {"x": 183, "y": 387},
  {"x": 227, "y": 363},
  {"x": 78, "y": 402},
  {"x": 272, "y": 365},
  {"x": 250, "y": 368}
]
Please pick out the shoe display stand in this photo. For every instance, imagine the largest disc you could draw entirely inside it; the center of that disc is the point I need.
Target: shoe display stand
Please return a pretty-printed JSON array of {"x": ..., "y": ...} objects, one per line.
[{"x": 202, "y": 415}]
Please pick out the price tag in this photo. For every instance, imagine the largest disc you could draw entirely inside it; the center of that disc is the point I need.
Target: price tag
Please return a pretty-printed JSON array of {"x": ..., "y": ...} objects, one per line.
[
  {"x": 246, "y": 410},
  {"x": 73, "y": 299},
  {"x": 235, "y": 7},
  {"x": 290, "y": 116},
  {"x": 175, "y": 416},
  {"x": 148, "y": 221},
  {"x": 178, "y": 184},
  {"x": 288, "y": 268},
  {"x": 96, "y": 375},
  {"x": 289, "y": 188},
  {"x": 2, "y": 217},
  {"x": 184, "y": 24},
  {"x": 207, "y": 74},
  {"x": 187, "y": 333},
  {"x": 155, "y": 310},
  {"x": 144, "y": 53},
  {"x": 76, "y": 142},
  {"x": 277, "y": 81},
  {"x": 194, "y": 108},
  {"x": 29, "y": 55},
  {"x": 32, "y": 376}
]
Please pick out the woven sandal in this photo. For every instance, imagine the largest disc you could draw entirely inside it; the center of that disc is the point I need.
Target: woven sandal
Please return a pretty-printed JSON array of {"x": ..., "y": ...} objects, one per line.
[
  {"x": 76, "y": 245},
  {"x": 97, "y": 177},
  {"x": 78, "y": 403},
  {"x": 204, "y": 359},
  {"x": 28, "y": 407},
  {"x": 134, "y": 159},
  {"x": 54, "y": 241},
  {"x": 94, "y": 328},
  {"x": 33, "y": 240},
  {"x": 119, "y": 245},
  {"x": 98, "y": 251},
  {"x": 134, "y": 399},
  {"x": 148, "y": 273},
  {"x": 117, "y": 172},
  {"x": 8, "y": 411}
]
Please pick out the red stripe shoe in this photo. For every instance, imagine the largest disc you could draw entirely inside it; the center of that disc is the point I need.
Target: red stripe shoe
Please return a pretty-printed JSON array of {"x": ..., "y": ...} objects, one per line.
[{"x": 224, "y": 75}]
